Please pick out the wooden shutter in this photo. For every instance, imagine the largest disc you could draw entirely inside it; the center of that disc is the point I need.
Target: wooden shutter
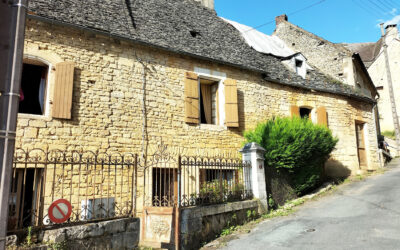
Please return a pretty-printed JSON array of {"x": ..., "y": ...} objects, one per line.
[
  {"x": 294, "y": 111},
  {"x": 192, "y": 98},
  {"x": 231, "y": 104},
  {"x": 322, "y": 116},
  {"x": 64, "y": 83}
]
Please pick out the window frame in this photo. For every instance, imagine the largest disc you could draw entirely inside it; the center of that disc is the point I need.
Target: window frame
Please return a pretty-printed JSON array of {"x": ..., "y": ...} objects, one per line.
[
  {"x": 35, "y": 60},
  {"x": 219, "y": 78}
]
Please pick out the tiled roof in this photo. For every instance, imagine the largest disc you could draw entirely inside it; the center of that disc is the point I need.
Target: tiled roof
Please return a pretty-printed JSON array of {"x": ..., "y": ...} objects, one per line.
[
  {"x": 181, "y": 26},
  {"x": 367, "y": 51}
]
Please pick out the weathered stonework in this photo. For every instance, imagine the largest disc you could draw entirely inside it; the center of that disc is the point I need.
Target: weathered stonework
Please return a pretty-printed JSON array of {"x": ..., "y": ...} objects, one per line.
[
  {"x": 326, "y": 56},
  {"x": 377, "y": 70},
  {"x": 202, "y": 224},
  {"x": 107, "y": 109},
  {"x": 107, "y": 104},
  {"x": 115, "y": 234}
]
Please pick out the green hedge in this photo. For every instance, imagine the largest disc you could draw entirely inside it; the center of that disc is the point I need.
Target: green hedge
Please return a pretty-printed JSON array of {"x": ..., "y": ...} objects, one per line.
[{"x": 297, "y": 146}]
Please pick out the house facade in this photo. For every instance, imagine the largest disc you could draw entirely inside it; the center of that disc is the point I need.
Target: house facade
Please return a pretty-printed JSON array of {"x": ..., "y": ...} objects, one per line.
[
  {"x": 373, "y": 56},
  {"x": 109, "y": 80},
  {"x": 334, "y": 60}
]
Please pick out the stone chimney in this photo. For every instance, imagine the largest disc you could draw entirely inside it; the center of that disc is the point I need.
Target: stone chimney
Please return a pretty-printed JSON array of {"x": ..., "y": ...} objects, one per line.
[
  {"x": 207, "y": 3},
  {"x": 391, "y": 32},
  {"x": 281, "y": 18}
]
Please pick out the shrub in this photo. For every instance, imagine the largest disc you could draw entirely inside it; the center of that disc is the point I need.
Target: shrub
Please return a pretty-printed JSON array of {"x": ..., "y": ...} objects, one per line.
[{"x": 295, "y": 145}]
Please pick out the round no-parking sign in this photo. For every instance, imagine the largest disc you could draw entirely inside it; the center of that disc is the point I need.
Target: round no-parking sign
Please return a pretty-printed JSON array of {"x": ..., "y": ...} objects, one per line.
[{"x": 60, "y": 211}]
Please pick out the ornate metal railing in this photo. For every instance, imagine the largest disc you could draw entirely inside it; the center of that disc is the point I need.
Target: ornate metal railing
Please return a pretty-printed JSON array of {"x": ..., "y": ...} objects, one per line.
[
  {"x": 98, "y": 186},
  {"x": 205, "y": 181},
  {"x": 171, "y": 179},
  {"x": 102, "y": 187}
]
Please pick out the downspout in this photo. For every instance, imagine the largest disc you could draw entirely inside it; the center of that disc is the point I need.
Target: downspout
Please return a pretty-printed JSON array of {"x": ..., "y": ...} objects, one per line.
[{"x": 12, "y": 25}]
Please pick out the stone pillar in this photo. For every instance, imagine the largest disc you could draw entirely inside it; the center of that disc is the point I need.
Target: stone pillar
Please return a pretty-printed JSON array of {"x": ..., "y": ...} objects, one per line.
[{"x": 254, "y": 153}]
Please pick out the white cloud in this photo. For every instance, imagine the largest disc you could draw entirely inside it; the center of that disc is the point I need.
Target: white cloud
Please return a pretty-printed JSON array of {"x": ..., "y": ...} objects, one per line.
[
  {"x": 394, "y": 20},
  {"x": 393, "y": 12}
]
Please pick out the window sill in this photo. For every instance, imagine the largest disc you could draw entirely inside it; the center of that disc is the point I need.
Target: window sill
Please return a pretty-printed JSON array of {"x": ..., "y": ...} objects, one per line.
[
  {"x": 212, "y": 127},
  {"x": 35, "y": 117}
]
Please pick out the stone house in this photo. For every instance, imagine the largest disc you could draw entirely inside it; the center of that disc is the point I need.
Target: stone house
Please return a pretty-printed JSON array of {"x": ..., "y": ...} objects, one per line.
[
  {"x": 122, "y": 77},
  {"x": 334, "y": 60},
  {"x": 373, "y": 57}
]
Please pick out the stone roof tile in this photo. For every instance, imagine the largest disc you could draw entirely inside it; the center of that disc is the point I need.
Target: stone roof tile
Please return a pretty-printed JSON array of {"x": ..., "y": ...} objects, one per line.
[{"x": 181, "y": 26}]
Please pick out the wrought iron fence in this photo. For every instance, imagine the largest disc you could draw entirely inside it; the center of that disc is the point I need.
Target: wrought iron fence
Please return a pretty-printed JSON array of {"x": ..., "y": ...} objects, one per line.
[
  {"x": 171, "y": 179},
  {"x": 98, "y": 186},
  {"x": 101, "y": 186},
  {"x": 205, "y": 181}
]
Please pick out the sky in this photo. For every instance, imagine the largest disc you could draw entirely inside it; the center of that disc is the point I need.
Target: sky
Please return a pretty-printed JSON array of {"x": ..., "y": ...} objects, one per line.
[{"x": 349, "y": 21}]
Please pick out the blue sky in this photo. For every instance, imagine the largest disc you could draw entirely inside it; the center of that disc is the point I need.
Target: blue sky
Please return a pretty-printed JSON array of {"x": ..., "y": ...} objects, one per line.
[{"x": 335, "y": 20}]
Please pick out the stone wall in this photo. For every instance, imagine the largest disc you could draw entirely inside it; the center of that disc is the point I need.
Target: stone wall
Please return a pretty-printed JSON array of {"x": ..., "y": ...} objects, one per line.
[
  {"x": 203, "y": 224},
  {"x": 332, "y": 59},
  {"x": 377, "y": 71},
  {"x": 107, "y": 105},
  {"x": 320, "y": 53},
  {"x": 114, "y": 234}
]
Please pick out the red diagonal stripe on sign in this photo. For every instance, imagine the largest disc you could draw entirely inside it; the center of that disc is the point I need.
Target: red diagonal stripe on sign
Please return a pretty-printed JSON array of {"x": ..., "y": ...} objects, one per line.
[{"x": 59, "y": 209}]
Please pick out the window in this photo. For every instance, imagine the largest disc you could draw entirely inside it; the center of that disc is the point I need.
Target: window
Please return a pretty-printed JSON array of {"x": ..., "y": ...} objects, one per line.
[
  {"x": 305, "y": 113},
  {"x": 205, "y": 99},
  {"x": 33, "y": 88},
  {"x": 299, "y": 65},
  {"x": 209, "y": 102},
  {"x": 97, "y": 208},
  {"x": 165, "y": 186}
]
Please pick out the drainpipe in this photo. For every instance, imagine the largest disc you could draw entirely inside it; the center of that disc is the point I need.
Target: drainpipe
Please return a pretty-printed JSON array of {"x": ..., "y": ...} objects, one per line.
[
  {"x": 391, "y": 93},
  {"x": 12, "y": 32}
]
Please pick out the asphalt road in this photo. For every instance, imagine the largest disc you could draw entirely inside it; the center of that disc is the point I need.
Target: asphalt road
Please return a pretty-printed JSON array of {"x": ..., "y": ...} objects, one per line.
[{"x": 361, "y": 215}]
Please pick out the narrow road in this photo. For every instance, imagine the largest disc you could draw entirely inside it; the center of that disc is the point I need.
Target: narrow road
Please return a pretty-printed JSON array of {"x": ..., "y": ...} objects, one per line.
[{"x": 361, "y": 215}]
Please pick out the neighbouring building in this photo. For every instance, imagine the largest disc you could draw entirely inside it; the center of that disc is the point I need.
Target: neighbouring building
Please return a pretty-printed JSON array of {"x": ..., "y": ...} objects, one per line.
[
  {"x": 335, "y": 60},
  {"x": 109, "y": 77},
  {"x": 374, "y": 58}
]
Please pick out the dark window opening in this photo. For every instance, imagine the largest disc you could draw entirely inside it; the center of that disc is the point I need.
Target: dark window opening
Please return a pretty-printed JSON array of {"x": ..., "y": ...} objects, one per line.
[
  {"x": 216, "y": 174},
  {"x": 299, "y": 63},
  {"x": 164, "y": 186},
  {"x": 33, "y": 89},
  {"x": 305, "y": 113},
  {"x": 211, "y": 178}
]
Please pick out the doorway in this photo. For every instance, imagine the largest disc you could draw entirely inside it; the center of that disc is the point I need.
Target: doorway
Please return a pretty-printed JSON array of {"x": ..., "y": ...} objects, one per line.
[
  {"x": 25, "y": 196},
  {"x": 361, "y": 150}
]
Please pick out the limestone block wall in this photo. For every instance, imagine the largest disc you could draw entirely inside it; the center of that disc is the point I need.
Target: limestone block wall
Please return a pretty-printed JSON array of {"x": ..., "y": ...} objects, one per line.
[
  {"x": 320, "y": 53},
  {"x": 377, "y": 71},
  {"x": 114, "y": 234},
  {"x": 203, "y": 224},
  {"x": 107, "y": 110}
]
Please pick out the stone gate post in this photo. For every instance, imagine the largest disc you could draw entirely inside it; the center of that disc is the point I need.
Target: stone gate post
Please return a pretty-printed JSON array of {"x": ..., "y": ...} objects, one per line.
[{"x": 254, "y": 153}]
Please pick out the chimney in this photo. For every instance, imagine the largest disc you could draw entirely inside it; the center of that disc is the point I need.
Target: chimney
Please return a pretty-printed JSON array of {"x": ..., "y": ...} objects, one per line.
[
  {"x": 281, "y": 18},
  {"x": 391, "y": 32},
  {"x": 207, "y": 3}
]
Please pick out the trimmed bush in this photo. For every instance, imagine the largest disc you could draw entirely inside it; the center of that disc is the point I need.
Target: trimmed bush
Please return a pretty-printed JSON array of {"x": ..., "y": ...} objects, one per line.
[{"x": 297, "y": 146}]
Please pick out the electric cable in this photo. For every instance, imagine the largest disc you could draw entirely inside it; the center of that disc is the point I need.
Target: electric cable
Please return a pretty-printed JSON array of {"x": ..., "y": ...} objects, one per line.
[
  {"x": 379, "y": 7},
  {"x": 385, "y": 5},
  {"x": 366, "y": 9},
  {"x": 290, "y": 14}
]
